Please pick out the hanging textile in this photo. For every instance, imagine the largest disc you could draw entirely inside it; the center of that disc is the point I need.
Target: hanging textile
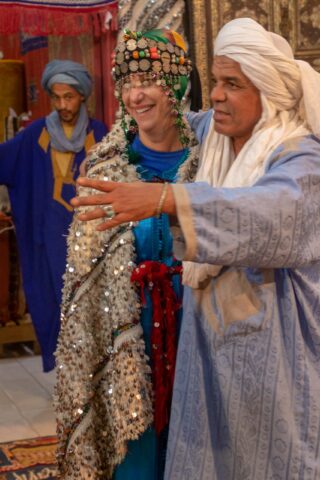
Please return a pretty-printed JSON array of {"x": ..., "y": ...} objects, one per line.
[
  {"x": 58, "y": 17},
  {"x": 147, "y": 15}
]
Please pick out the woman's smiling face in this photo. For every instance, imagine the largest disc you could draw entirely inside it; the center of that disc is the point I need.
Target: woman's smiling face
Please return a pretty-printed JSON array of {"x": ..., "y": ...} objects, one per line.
[{"x": 147, "y": 103}]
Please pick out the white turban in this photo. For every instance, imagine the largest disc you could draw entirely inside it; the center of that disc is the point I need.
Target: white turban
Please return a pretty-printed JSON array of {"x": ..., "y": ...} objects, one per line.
[
  {"x": 68, "y": 72},
  {"x": 267, "y": 60},
  {"x": 290, "y": 97}
]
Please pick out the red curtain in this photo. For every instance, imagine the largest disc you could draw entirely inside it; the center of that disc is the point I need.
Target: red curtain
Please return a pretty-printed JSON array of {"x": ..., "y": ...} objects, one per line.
[{"x": 105, "y": 101}]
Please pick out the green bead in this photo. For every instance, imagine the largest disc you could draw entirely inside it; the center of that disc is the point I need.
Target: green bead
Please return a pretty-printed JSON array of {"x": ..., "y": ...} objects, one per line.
[{"x": 142, "y": 54}]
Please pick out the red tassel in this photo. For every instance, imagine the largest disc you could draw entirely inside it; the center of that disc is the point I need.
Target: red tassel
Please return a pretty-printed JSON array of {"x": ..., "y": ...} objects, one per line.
[{"x": 157, "y": 277}]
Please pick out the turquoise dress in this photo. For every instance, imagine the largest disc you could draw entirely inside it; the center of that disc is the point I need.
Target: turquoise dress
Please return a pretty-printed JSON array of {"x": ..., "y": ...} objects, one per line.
[{"x": 146, "y": 456}]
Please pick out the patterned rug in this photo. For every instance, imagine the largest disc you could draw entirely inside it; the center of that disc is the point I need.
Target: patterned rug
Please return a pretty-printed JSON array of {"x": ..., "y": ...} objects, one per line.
[{"x": 32, "y": 459}]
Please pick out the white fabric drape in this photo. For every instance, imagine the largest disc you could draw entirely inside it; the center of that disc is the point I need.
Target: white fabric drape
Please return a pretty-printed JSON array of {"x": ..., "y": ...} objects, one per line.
[{"x": 290, "y": 108}]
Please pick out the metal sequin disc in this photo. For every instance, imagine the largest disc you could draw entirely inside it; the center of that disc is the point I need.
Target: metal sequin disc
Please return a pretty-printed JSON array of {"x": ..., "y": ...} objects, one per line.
[
  {"x": 162, "y": 46},
  {"x": 170, "y": 47},
  {"x": 142, "y": 43},
  {"x": 133, "y": 66},
  {"x": 131, "y": 44},
  {"x": 157, "y": 66},
  {"x": 182, "y": 70},
  {"x": 165, "y": 56},
  {"x": 119, "y": 58},
  {"x": 124, "y": 67},
  {"x": 144, "y": 64},
  {"x": 177, "y": 51},
  {"x": 174, "y": 69},
  {"x": 166, "y": 68},
  {"x": 152, "y": 43},
  {"x": 121, "y": 47}
]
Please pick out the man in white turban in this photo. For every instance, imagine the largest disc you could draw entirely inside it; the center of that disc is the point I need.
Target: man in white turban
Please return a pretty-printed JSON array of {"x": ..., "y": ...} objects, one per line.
[
  {"x": 39, "y": 166},
  {"x": 246, "y": 401}
]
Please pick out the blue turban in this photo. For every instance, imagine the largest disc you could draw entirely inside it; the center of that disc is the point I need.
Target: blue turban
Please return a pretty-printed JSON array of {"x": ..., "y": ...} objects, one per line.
[{"x": 71, "y": 73}]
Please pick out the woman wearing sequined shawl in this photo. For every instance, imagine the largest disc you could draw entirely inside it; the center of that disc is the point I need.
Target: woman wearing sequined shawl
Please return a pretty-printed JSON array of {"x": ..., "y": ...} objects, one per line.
[{"x": 122, "y": 293}]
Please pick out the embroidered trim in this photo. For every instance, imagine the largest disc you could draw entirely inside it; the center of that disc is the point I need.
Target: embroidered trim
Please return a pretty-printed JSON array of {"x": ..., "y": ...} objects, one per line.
[{"x": 44, "y": 139}]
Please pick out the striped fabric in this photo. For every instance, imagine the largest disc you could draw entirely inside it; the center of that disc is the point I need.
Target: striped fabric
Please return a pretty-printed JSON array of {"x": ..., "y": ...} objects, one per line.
[{"x": 246, "y": 402}]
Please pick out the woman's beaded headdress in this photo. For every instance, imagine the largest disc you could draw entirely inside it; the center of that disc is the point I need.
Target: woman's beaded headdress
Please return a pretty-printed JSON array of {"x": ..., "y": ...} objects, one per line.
[
  {"x": 161, "y": 53},
  {"x": 161, "y": 56}
]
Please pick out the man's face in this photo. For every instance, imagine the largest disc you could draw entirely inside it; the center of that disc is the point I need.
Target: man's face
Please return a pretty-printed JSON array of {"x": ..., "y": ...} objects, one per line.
[
  {"x": 236, "y": 101},
  {"x": 67, "y": 101}
]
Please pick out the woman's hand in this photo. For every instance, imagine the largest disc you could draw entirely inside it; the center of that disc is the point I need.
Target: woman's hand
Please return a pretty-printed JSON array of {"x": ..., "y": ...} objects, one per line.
[{"x": 129, "y": 202}]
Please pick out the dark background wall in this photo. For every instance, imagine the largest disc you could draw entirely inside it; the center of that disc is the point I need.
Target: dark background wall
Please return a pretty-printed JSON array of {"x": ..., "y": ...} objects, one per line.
[{"x": 297, "y": 20}]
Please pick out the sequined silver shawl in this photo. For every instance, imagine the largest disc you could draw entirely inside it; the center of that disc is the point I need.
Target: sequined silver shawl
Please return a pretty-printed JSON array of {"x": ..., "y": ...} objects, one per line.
[{"x": 103, "y": 395}]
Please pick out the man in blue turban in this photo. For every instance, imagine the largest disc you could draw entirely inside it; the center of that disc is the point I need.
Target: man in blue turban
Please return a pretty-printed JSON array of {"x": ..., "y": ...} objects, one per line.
[
  {"x": 68, "y": 72},
  {"x": 39, "y": 166}
]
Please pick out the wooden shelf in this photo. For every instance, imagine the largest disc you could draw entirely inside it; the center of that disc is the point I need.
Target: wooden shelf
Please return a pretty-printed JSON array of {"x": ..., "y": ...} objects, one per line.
[{"x": 24, "y": 332}]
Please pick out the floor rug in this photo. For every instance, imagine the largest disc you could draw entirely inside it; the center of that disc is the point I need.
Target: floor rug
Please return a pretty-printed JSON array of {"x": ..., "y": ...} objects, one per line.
[{"x": 32, "y": 459}]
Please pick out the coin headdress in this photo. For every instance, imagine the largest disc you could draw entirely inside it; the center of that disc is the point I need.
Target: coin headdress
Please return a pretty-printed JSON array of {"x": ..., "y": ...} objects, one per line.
[{"x": 161, "y": 56}]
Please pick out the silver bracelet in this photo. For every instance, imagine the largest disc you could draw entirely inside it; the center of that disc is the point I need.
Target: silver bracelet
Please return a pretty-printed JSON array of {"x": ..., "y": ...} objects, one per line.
[{"x": 162, "y": 199}]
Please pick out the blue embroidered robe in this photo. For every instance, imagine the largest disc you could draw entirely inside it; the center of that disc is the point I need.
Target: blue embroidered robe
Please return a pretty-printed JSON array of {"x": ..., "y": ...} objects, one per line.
[
  {"x": 246, "y": 402},
  {"x": 39, "y": 196}
]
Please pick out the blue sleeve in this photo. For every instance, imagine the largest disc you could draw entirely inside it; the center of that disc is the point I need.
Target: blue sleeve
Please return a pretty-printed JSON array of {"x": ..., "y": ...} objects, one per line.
[
  {"x": 100, "y": 130},
  {"x": 199, "y": 122},
  {"x": 273, "y": 224},
  {"x": 9, "y": 158}
]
